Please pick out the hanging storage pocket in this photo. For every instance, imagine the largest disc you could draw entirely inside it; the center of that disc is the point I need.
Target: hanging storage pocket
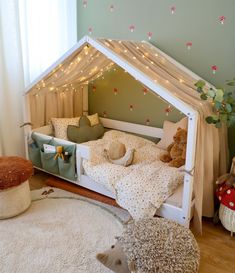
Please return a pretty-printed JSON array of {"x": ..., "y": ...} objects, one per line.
[
  {"x": 34, "y": 155},
  {"x": 49, "y": 163},
  {"x": 67, "y": 168}
]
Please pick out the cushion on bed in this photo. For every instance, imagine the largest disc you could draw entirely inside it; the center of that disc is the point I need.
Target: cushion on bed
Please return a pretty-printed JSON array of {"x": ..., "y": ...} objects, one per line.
[
  {"x": 61, "y": 124},
  {"x": 94, "y": 119},
  {"x": 116, "y": 150},
  {"x": 169, "y": 130},
  {"x": 84, "y": 132}
]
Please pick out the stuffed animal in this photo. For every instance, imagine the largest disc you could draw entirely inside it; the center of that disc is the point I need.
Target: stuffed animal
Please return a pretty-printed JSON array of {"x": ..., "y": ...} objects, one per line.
[
  {"x": 153, "y": 245},
  {"x": 59, "y": 152},
  {"x": 228, "y": 178},
  {"x": 117, "y": 154},
  {"x": 176, "y": 151}
]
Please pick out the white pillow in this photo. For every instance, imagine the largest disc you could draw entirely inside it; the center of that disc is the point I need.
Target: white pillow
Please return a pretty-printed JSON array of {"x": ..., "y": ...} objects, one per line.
[
  {"x": 94, "y": 119},
  {"x": 169, "y": 130},
  {"x": 60, "y": 126}
]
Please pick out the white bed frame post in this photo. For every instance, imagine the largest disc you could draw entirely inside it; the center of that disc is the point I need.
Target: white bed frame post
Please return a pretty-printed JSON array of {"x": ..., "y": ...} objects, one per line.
[
  {"x": 26, "y": 118},
  {"x": 187, "y": 205}
]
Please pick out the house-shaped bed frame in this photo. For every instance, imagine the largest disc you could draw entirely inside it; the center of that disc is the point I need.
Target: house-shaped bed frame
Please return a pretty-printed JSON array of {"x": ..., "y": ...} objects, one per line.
[{"x": 123, "y": 53}]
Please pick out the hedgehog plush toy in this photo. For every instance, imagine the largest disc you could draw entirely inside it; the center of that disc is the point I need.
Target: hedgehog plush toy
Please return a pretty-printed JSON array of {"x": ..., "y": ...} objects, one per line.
[{"x": 154, "y": 245}]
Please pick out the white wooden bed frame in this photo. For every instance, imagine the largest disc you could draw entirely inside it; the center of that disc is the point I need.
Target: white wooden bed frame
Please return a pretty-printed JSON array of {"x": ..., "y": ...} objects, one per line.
[{"x": 181, "y": 215}]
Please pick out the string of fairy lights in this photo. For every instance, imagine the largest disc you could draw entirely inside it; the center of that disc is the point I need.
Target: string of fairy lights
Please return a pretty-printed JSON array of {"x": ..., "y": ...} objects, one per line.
[{"x": 88, "y": 75}]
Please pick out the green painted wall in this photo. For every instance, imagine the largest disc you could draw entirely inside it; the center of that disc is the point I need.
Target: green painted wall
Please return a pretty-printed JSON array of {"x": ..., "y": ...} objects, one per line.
[
  {"x": 197, "y": 21},
  {"x": 147, "y": 107}
]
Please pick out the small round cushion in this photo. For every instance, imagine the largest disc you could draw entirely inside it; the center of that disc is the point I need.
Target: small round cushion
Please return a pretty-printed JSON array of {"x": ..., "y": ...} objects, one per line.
[
  {"x": 14, "y": 170},
  {"x": 116, "y": 150},
  {"x": 226, "y": 195}
]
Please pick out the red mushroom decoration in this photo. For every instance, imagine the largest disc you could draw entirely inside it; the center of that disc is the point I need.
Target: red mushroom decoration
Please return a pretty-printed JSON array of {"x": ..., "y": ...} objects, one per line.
[
  {"x": 115, "y": 91},
  {"x": 214, "y": 68},
  {"x": 84, "y": 3},
  {"x": 111, "y": 8},
  {"x": 226, "y": 195},
  {"x": 189, "y": 45},
  {"x": 90, "y": 30},
  {"x": 104, "y": 114},
  {"x": 150, "y": 34},
  {"x": 147, "y": 121},
  {"x": 93, "y": 88},
  {"x": 222, "y": 19},
  {"x": 168, "y": 110},
  {"x": 173, "y": 9},
  {"x": 132, "y": 28},
  {"x": 131, "y": 107},
  {"x": 145, "y": 91}
]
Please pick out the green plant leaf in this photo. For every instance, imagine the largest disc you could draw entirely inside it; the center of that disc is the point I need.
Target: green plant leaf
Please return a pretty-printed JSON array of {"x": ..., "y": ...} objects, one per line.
[
  {"x": 219, "y": 95},
  {"x": 218, "y": 124},
  {"x": 231, "y": 83},
  {"x": 209, "y": 119},
  {"x": 217, "y": 105},
  {"x": 211, "y": 93},
  {"x": 203, "y": 96},
  {"x": 200, "y": 84},
  {"x": 228, "y": 108},
  {"x": 223, "y": 117},
  {"x": 232, "y": 117},
  {"x": 199, "y": 90}
]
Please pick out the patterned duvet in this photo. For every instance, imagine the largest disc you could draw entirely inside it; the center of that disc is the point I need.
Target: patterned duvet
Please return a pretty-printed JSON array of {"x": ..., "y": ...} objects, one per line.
[{"x": 140, "y": 188}]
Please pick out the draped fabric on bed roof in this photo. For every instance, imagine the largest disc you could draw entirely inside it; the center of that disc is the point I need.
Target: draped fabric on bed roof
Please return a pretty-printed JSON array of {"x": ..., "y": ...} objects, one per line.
[{"x": 65, "y": 80}]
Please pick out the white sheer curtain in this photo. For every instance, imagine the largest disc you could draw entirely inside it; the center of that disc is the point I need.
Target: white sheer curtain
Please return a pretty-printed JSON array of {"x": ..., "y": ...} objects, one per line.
[
  {"x": 33, "y": 34},
  {"x": 48, "y": 29}
]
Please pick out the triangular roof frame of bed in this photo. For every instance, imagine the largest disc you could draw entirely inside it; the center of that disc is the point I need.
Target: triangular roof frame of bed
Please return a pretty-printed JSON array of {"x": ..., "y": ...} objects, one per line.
[{"x": 127, "y": 55}]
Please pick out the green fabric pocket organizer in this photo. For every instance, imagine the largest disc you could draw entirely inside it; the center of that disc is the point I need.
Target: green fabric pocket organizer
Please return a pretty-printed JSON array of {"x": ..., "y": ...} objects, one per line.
[
  {"x": 49, "y": 163},
  {"x": 34, "y": 155},
  {"x": 67, "y": 170}
]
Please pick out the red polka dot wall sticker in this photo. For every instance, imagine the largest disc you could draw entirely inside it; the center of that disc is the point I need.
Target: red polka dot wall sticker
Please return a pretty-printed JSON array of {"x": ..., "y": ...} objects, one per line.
[
  {"x": 173, "y": 9},
  {"x": 145, "y": 91},
  {"x": 84, "y": 3},
  {"x": 149, "y": 34},
  {"x": 214, "y": 69},
  {"x": 132, "y": 28},
  {"x": 111, "y": 8},
  {"x": 115, "y": 91},
  {"x": 147, "y": 121},
  {"x": 168, "y": 109},
  {"x": 222, "y": 19},
  {"x": 90, "y": 30},
  {"x": 189, "y": 45}
]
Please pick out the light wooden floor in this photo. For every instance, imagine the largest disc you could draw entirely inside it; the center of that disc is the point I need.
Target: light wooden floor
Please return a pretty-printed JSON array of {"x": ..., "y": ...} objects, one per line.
[{"x": 216, "y": 245}]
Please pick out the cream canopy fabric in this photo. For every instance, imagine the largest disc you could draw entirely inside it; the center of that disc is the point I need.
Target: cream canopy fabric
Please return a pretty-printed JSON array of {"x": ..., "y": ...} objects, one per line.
[{"x": 83, "y": 63}]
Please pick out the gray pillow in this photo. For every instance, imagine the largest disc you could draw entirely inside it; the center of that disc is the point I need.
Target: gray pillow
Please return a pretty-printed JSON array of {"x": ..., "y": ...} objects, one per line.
[{"x": 84, "y": 132}]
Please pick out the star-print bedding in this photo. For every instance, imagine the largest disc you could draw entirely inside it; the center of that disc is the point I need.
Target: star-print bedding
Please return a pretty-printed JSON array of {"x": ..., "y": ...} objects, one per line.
[{"x": 142, "y": 187}]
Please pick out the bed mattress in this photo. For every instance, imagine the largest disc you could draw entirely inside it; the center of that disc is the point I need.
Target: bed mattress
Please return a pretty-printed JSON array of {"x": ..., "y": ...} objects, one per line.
[{"x": 140, "y": 188}]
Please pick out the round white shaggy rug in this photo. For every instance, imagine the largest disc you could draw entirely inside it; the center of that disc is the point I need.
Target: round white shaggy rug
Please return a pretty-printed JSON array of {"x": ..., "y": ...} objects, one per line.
[{"x": 57, "y": 235}]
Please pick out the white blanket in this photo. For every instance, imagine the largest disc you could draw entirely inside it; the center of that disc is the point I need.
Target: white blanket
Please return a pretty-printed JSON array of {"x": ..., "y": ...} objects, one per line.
[{"x": 140, "y": 188}]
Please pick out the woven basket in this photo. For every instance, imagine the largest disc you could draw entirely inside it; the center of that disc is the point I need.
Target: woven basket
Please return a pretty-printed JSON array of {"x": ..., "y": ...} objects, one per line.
[{"x": 227, "y": 218}]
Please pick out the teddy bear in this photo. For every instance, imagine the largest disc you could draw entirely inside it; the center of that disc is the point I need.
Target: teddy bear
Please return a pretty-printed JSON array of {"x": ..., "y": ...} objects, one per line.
[
  {"x": 153, "y": 245},
  {"x": 176, "y": 151}
]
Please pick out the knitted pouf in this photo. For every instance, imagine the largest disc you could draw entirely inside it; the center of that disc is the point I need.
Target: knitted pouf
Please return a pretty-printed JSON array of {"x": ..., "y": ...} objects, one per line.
[
  {"x": 226, "y": 196},
  {"x": 160, "y": 245},
  {"x": 14, "y": 186},
  {"x": 227, "y": 218}
]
